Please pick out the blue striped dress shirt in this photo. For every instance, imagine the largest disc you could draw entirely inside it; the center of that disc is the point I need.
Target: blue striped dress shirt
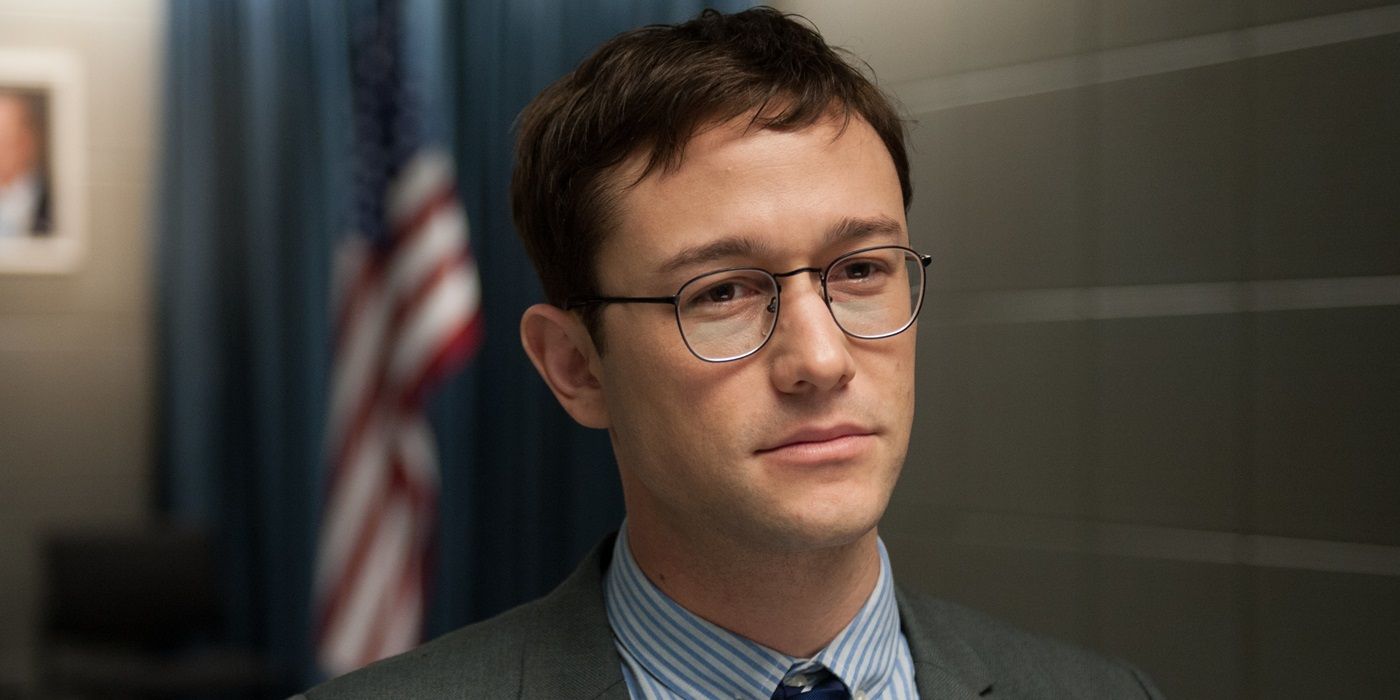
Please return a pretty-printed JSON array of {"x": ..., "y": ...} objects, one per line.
[{"x": 669, "y": 652}]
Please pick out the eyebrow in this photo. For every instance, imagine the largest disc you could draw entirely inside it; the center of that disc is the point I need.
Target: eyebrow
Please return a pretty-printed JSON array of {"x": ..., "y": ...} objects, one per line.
[
  {"x": 854, "y": 229},
  {"x": 731, "y": 247},
  {"x": 847, "y": 229}
]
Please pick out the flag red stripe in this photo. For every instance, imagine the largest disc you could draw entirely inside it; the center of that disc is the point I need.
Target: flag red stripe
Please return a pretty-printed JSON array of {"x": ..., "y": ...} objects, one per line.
[
  {"x": 399, "y": 484},
  {"x": 373, "y": 647},
  {"x": 369, "y": 276},
  {"x": 392, "y": 604},
  {"x": 415, "y": 388},
  {"x": 359, "y": 425},
  {"x": 331, "y": 605},
  {"x": 410, "y": 301},
  {"x": 461, "y": 345},
  {"x": 412, "y": 225},
  {"x": 366, "y": 280}
]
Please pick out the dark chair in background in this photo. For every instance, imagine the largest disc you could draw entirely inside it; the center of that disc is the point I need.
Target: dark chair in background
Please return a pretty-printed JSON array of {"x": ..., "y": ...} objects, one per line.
[{"x": 140, "y": 615}]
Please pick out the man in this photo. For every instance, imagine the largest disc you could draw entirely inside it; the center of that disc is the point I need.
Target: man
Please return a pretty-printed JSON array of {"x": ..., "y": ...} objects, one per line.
[
  {"x": 717, "y": 213},
  {"x": 24, "y": 202}
]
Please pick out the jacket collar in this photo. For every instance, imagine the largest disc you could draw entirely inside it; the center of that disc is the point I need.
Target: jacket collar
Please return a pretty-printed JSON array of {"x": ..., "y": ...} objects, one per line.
[
  {"x": 945, "y": 666},
  {"x": 570, "y": 653}
]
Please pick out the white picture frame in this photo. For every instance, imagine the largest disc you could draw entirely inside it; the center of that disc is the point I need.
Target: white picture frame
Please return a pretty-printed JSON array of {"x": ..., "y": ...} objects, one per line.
[{"x": 46, "y": 232}]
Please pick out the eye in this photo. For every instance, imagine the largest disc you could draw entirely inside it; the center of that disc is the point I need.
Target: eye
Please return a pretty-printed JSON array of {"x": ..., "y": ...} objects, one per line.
[
  {"x": 726, "y": 290},
  {"x": 858, "y": 269},
  {"x": 722, "y": 292}
]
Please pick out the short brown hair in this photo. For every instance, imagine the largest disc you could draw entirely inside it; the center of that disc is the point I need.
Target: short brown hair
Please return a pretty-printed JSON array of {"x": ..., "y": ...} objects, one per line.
[{"x": 649, "y": 90}]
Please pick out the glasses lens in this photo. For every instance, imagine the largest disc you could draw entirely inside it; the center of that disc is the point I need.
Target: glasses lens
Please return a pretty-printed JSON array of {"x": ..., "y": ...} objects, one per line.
[
  {"x": 876, "y": 293},
  {"x": 726, "y": 315}
]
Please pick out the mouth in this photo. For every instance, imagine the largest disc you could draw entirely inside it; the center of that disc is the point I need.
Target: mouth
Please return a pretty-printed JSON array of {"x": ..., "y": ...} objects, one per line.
[{"x": 815, "y": 445}]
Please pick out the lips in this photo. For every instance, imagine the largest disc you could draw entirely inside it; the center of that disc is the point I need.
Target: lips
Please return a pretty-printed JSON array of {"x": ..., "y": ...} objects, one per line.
[{"x": 831, "y": 443}]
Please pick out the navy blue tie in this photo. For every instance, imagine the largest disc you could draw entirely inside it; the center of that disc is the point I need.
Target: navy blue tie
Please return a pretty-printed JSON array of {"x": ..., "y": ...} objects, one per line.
[{"x": 830, "y": 689}]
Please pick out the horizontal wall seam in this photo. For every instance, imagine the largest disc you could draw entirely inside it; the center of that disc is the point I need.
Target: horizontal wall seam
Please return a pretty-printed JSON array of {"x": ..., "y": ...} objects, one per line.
[
  {"x": 999, "y": 530},
  {"x": 952, "y": 308},
  {"x": 1069, "y": 72}
]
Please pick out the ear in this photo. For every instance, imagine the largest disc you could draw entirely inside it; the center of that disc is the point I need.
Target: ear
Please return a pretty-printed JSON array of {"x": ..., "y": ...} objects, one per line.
[{"x": 563, "y": 353}]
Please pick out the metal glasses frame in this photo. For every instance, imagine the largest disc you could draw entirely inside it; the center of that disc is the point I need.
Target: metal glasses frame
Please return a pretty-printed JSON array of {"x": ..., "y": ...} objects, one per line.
[{"x": 674, "y": 299}]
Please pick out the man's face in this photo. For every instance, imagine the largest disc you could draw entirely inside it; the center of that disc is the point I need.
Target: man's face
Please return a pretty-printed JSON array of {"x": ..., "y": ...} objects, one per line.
[
  {"x": 799, "y": 445},
  {"x": 17, "y": 140}
]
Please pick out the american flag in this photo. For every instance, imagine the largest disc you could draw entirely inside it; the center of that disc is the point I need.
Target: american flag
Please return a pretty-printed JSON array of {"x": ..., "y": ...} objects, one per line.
[{"x": 406, "y": 314}]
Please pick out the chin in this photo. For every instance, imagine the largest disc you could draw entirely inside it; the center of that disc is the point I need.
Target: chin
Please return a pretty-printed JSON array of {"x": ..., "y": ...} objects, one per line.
[{"x": 815, "y": 528}]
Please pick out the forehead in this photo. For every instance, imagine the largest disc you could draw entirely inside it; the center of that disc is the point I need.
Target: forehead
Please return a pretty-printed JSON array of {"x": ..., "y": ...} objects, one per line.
[
  {"x": 12, "y": 108},
  {"x": 15, "y": 116},
  {"x": 780, "y": 195}
]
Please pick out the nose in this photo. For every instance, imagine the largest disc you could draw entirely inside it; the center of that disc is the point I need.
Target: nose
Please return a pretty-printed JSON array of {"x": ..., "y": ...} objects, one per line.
[{"x": 809, "y": 353}]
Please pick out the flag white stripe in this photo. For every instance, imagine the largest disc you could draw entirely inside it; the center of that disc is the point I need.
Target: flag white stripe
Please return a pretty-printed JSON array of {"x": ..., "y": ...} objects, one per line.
[
  {"x": 417, "y": 452},
  {"x": 355, "y": 370},
  {"x": 351, "y": 632},
  {"x": 421, "y": 178},
  {"x": 405, "y": 618},
  {"x": 364, "y": 479},
  {"x": 361, "y": 482},
  {"x": 438, "y": 240},
  {"x": 428, "y": 326}
]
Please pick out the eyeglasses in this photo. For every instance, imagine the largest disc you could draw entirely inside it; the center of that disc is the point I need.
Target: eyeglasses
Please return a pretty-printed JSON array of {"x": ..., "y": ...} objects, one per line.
[{"x": 730, "y": 314}]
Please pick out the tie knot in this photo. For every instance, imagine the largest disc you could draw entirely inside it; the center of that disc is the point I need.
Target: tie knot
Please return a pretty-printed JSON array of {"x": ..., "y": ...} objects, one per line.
[{"x": 811, "y": 684}]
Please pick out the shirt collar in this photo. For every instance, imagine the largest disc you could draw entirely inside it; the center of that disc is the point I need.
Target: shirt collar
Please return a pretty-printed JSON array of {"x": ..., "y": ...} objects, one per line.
[
  {"x": 18, "y": 200},
  {"x": 695, "y": 658}
]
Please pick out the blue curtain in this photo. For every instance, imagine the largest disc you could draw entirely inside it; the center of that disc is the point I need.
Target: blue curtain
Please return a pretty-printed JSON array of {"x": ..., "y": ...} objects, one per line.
[{"x": 255, "y": 191}]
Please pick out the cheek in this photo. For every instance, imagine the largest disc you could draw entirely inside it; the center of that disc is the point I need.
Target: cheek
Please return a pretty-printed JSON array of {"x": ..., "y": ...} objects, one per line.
[
  {"x": 645, "y": 388},
  {"x": 672, "y": 409},
  {"x": 896, "y": 358},
  {"x": 898, "y": 378}
]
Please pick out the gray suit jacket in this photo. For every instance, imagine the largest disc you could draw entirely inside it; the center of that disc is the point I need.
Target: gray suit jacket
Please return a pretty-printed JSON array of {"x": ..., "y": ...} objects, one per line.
[{"x": 561, "y": 646}]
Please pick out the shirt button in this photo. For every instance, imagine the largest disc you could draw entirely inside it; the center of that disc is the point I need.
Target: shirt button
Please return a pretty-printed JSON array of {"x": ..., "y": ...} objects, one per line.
[{"x": 858, "y": 695}]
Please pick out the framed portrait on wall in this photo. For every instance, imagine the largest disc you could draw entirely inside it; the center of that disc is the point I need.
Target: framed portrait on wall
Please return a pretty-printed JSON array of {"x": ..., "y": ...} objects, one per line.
[{"x": 43, "y": 221}]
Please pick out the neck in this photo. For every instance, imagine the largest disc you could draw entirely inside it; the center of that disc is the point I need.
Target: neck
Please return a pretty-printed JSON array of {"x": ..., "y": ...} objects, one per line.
[{"x": 794, "y": 602}]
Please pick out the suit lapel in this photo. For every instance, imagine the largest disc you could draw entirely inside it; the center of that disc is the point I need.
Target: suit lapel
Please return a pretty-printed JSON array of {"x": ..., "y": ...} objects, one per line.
[
  {"x": 944, "y": 665},
  {"x": 570, "y": 652}
]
